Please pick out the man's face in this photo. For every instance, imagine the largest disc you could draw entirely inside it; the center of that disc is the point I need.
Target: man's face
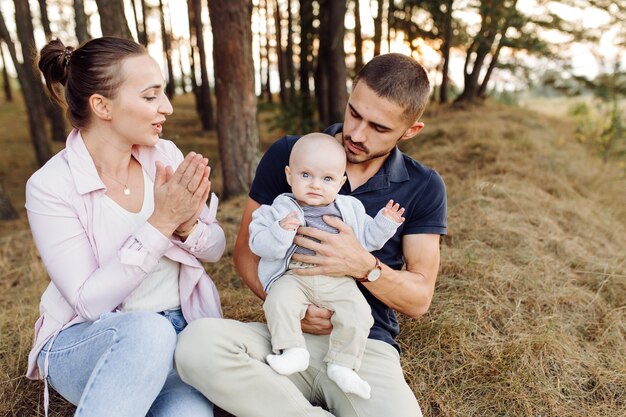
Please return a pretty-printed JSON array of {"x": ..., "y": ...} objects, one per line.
[{"x": 373, "y": 125}]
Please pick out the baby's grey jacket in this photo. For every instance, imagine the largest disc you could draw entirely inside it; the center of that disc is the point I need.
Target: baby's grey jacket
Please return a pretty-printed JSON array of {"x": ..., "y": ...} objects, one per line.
[{"x": 275, "y": 245}]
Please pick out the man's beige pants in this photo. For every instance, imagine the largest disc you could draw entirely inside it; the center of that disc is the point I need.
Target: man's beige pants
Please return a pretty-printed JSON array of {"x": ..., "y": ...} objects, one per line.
[{"x": 225, "y": 360}]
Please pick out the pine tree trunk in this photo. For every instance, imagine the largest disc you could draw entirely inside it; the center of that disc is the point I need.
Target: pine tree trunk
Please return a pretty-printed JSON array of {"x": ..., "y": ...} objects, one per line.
[
  {"x": 262, "y": 49},
  {"x": 53, "y": 110},
  {"x": 280, "y": 53},
  {"x": 6, "y": 80},
  {"x": 206, "y": 107},
  {"x": 140, "y": 24},
  {"x": 80, "y": 19},
  {"x": 378, "y": 27},
  {"x": 7, "y": 212},
  {"x": 45, "y": 20},
  {"x": 112, "y": 18},
  {"x": 306, "y": 56},
  {"x": 28, "y": 80},
  {"x": 237, "y": 130},
  {"x": 289, "y": 67},
  {"x": 445, "y": 53},
  {"x": 166, "y": 41},
  {"x": 358, "y": 38},
  {"x": 332, "y": 58},
  {"x": 390, "y": 23},
  {"x": 191, "y": 14},
  {"x": 268, "y": 49}
]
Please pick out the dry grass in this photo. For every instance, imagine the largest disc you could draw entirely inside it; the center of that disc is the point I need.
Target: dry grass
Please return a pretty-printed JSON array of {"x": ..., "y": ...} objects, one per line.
[{"x": 529, "y": 315}]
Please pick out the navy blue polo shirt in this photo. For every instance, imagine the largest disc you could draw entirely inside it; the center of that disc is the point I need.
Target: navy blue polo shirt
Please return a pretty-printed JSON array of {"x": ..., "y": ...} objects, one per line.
[{"x": 417, "y": 188}]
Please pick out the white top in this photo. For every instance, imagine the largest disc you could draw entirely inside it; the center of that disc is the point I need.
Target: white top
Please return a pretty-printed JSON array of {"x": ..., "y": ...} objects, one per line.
[{"x": 159, "y": 290}]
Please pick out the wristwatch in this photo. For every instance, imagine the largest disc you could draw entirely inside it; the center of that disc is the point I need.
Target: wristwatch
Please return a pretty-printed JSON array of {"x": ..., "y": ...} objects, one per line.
[{"x": 373, "y": 274}]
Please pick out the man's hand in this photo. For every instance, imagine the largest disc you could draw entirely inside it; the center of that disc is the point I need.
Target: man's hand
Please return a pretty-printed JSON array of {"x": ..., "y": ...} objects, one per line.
[
  {"x": 336, "y": 254},
  {"x": 317, "y": 320}
]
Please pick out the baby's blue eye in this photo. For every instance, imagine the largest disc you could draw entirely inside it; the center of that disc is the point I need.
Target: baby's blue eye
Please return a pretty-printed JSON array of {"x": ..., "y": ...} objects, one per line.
[
  {"x": 305, "y": 175},
  {"x": 328, "y": 179}
]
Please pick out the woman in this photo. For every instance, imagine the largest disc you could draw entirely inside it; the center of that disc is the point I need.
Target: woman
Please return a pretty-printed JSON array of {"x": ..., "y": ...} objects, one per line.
[{"x": 120, "y": 220}]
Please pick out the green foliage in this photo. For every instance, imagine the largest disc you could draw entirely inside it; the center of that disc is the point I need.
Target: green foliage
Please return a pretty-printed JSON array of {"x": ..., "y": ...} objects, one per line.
[
  {"x": 510, "y": 98},
  {"x": 603, "y": 128},
  {"x": 297, "y": 117}
]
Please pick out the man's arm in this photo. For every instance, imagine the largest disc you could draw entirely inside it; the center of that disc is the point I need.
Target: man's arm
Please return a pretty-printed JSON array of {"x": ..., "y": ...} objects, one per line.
[
  {"x": 246, "y": 262},
  {"x": 409, "y": 292}
]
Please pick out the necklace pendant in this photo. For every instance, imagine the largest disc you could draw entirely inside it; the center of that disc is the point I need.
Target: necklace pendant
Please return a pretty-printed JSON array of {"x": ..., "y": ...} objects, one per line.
[{"x": 126, "y": 191}]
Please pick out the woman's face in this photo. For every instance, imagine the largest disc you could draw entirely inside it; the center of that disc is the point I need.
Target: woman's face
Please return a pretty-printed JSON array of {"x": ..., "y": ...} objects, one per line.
[{"x": 138, "y": 111}]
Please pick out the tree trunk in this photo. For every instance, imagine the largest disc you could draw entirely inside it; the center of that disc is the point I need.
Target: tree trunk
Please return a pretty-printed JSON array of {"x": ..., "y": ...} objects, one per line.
[
  {"x": 112, "y": 18},
  {"x": 262, "y": 49},
  {"x": 237, "y": 130},
  {"x": 289, "y": 67},
  {"x": 7, "y": 212},
  {"x": 358, "y": 38},
  {"x": 378, "y": 27},
  {"x": 191, "y": 14},
  {"x": 445, "y": 52},
  {"x": 280, "y": 53},
  {"x": 140, "y": 24},
  {"x": 306, "y": 57},
  {"x": 321, "y": 91},
  {"x": 166, "y": 41},
  {"x": 332, "y": 58},
  {"x": 390, "y": 23},
  {"x": 206, "y": 108},
  {"x": 268, "y": 80},
  {"x": 80, "y": 19},
  {"x": 45, "y": 20},
  {"x": 479, "y": 49},
  {"x": 53, "y": 110},
  {"x": 26, "y": 77},
  {"x": 482, "y": 90},
  {"x": 6, "y": 80},
  {"x": 183, "y": 76}
]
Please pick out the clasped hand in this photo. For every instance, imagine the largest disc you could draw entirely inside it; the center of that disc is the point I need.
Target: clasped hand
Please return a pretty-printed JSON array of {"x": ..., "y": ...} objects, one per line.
[{"x": 180, "y": 196}]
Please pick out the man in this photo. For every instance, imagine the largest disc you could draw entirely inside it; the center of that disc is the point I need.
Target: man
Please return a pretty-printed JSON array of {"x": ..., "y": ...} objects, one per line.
[{"x": 225, "y": 359}]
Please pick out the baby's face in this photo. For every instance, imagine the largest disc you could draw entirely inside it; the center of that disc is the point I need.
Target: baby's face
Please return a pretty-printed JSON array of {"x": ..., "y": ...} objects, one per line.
[{"x": 316, "y": 179}]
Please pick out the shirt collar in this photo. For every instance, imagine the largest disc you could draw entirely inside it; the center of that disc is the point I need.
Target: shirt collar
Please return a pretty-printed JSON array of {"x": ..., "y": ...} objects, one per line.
[{"x": 81, "y": 165}]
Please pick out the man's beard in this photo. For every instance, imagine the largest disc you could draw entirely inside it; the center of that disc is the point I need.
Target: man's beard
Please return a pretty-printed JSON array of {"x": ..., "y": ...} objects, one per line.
[{"x": 366, "y": 155}]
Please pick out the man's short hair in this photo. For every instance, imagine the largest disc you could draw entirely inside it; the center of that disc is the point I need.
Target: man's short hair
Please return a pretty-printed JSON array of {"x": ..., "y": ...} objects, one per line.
[{"x": 398, "y": 78}]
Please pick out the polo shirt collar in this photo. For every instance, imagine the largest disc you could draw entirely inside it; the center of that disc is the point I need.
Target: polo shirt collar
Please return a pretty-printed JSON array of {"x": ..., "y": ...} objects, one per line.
[{"x": 392, "y": 170}]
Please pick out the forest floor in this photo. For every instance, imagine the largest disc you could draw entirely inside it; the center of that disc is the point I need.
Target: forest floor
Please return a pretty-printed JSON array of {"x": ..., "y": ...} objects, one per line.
[{"x": 529, "y": 313}]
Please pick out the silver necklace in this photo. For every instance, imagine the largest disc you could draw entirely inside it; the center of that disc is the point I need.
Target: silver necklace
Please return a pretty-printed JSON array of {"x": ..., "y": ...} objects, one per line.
[{"x": 126, "y": 189}]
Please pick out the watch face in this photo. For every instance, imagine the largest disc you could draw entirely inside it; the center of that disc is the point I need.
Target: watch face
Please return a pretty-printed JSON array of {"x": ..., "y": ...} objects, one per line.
[{"x": 373, "y": 275}]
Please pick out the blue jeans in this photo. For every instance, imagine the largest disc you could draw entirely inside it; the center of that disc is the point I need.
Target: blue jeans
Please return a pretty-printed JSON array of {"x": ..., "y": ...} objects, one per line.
[{"x": 122, "y": 365}]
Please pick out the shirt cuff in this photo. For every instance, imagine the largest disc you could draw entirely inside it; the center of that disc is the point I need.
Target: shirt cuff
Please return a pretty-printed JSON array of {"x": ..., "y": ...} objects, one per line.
[{"x": 145, "y": 248}]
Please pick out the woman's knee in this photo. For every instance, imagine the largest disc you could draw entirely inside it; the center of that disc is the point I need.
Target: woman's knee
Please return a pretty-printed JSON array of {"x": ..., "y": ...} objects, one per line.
[{"x": 151, "y": 334}]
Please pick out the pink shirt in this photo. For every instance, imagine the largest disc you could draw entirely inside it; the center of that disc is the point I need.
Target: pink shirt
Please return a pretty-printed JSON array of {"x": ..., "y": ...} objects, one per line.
[{"x": 91, "y": 275}]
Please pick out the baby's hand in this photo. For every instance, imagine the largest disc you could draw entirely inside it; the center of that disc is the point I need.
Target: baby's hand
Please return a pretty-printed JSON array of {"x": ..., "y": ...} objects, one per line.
[
  {"x": 394, "y": 212},
  {"x": 290, "y": 222}
]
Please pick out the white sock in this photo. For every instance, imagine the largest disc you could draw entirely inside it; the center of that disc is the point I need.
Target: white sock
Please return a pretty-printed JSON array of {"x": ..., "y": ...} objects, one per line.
[
  {"x": 348, "y": 380},
  {"x": 292, "y": 360}
]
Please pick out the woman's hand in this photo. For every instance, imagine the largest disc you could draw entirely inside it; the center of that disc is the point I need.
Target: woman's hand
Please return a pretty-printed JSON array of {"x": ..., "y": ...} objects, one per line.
[{"x": 179, "y": 196}]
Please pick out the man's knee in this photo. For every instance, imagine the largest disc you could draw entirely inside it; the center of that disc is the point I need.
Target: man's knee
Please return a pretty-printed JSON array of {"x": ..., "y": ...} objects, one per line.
[{"x": 195, "y": 347}]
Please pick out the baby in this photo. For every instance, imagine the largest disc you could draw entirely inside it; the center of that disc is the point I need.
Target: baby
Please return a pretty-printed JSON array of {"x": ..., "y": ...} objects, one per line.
[{"x": 316, "y": 173}]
